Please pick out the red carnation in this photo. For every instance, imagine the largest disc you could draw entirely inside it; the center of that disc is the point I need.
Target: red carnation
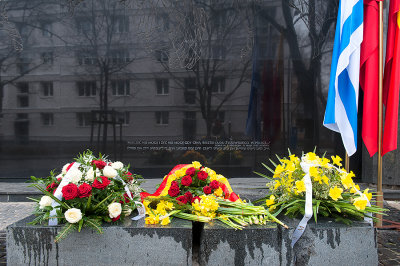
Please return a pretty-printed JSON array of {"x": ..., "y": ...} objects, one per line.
[
  {"x": 202, "y": 175},
  {"x": 191, "y": 171},
  {"x": 70, "y": 191},
  {"x": 186, "y": 180},
  {"x": 196, "y": 198},
  {"x": 174, "y": 183},
  {"x": 182, "y": 199},
  {"x": 85, "y": 190},
  {"x": 189, "y": 196},
  {"x": 173, "y": 191},
  {"x": 207, "y": 190},
  {"x": 99, "y": 164},
  {"x": 103, "y": 184},
  {"x": 116, "y": 218},
  {"x": 214, "y": 184},
  {"x": 52, "y": 186}
]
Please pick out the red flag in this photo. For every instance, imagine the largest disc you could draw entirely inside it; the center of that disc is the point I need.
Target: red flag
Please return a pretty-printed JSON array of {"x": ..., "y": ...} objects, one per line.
[
  {"x": 392, "y": 78},
  {"x": 369, "y": 78}
]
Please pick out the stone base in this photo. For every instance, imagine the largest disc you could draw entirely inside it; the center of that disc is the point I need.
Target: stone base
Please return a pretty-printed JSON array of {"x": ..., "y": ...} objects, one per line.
[
  {"x": 325, "y": 243},
  {"x": 131, "y": 243}
]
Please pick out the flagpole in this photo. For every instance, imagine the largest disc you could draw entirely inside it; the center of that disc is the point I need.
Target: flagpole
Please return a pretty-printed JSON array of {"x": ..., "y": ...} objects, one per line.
[
  {"x": 379, "y": 197},
  {"x": 347, "y": 163}
]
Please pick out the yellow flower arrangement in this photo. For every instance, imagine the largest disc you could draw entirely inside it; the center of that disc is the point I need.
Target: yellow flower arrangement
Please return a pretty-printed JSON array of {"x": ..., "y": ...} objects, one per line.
[{"x": 333, "y": 189}]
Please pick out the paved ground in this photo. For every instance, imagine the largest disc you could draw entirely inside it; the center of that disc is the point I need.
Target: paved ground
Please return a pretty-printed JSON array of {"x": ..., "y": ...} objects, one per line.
[{"x": 388, "y": 239}]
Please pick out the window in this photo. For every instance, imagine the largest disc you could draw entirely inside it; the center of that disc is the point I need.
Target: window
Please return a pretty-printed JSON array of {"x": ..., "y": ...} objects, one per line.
[
  {"x": 121, "y": 24},
  {"x": 162, "y": 118},
  {"x": 47, "y": 58},
  {"x": 190, "y": 83},
  {"x": 120, "y": 87},
  {"x": 190, "y": 97},
  {"x": 161, "y": 56},
  {"x": 162, "y": 86},
  {"x": 85, "y": 58},
  {"x": 220, "y": 116},
  {"x": 23, "y": 65},
  {"x": 23, "y": 87},
  {"x": 84, "y": 26},
  {"x": 22, "y": 116},
  {"x": 23, "y": 101},
  {"x": 47, "y": 89},
  {"x": 86, "y": 88},
  {"x": 218, "y": 85},
  {"x": 84, "y": 119},
  {"x": 46, "y": 29},
  {"x": 47, "y": 119},
  {"x": 119, "y": 56},
  {"x": 22, "y": 94},
  {"x": 190, "y": 115},
  {"x": 123, "y": 117}
]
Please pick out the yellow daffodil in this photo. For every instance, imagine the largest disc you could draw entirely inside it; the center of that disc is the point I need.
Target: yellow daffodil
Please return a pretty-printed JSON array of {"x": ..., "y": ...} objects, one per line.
[
  {"x": 368, "y": 195},
  {"x": 354, "y": 188},
  {"x": 347, "y": 181},
  {"x": 300, "y": 186},
  {"x": 278, "y": 170},
  {"x": 318, "y": 179},
  {"x": 291, "y": 167},
  {"x": 271, "y": 208},
  {"x": 277, "y": 184},
  {"x": 337, "y": 160},
  {"x": 360, "y": 203},
  {"x": 325, "y": 179},
  {"x": 312, "y": 158},
  {"x": 325, "y": 162},
  {"x": 152, "y": 219},
  {"x": 335, "y": 193},
  {"x": 270, "y": 201},
  {"x": 196, "y": 164},
  {"x": 313, "y": 171},
  {"x": 218, "y": 192},
  {"x": 165, "y": 221},
  {"x": 294, "y": 158}
]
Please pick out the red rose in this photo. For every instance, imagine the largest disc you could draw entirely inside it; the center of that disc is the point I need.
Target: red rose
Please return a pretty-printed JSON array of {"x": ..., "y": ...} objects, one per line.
[
  {"x": 130, "y": 176},
  {"x": 70, "y": 191},
  {"x": 99, "y": 164},
  {"x": 189, "y": 196},
  {"x": 182, "y": 199},
  {"x": 173, "y": 191},
  {"x": 202, "y": 175},
  {"x": 186, "y": 180},
  {"x": 191, "y": 171},
  {"x": 214, "y": 184},
  {"x": 126, "y": 198},
  {"x": 207, "y": 190},
  {"x": 52, "y": 186},
  {"x": 116, "y": 218},
  {"x": 103, "y": 184},
  {"x": 85, "y": 190},
  {"x": 196, "y": 198}
]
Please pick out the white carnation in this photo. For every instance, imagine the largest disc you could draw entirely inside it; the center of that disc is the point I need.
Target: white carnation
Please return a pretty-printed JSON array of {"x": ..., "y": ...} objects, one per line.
[
  {"x": 114, "y": 209},
  {"x": 45, "y": 201},
  {"x": 117, "y": 165},
  {"x": 109, "y": 172},
  {"x": 64, "y": 169},
  {"x": 75, "y": 175},
  {"x": 73, "y": 215},
  {"x": 90, "y": 174}
]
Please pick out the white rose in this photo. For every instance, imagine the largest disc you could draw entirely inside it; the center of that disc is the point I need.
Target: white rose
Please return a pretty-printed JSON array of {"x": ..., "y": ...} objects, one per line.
[
  {"x": 64, "y": 169},
  {"x": 59, "y": 176},
  {"x": 90, "y": 175},
  {"x": 75, "y": 175},
  {"x": 117, "y": 165},
  {"x": 114, "y": 209},
  {"x": 109, "y": 172},
  {"x": 73, "y": 215},
  {"x": 45, "y": 201}
]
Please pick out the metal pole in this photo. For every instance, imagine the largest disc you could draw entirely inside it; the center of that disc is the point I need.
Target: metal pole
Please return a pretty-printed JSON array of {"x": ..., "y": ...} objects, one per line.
[
  {"x": 347, "y": 163},
  {"x": 379, "y": 196}
]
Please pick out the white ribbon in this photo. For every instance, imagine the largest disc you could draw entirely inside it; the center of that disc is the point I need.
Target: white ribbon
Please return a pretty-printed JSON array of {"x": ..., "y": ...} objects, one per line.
[
  {"x": 58, "y": 194},
  {"x": 298, "y": 232},
  {"x": 139, "y": 205}
]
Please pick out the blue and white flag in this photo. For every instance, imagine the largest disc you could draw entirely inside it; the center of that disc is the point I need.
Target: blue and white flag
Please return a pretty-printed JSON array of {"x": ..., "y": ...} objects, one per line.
[{"x": 341, "y": 107}]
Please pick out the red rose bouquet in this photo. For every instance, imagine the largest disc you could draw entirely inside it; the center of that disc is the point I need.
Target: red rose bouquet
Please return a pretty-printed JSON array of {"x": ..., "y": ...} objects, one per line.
[
  {"x": 198, "y": 193},
  {"x": 87, "y": 192}
]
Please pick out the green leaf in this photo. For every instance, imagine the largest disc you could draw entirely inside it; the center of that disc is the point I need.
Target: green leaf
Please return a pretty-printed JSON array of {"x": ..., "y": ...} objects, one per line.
[
  {"x": 80, "y": 225},
  {"x": 95, "y": 224},
  {"x": 273, "y": 163},
  {"x": 101, "y": 202},
  {"x": 269, "y": 169},
  {"x": 262, "y": 175},
  {"x": 65, "y": 231}
]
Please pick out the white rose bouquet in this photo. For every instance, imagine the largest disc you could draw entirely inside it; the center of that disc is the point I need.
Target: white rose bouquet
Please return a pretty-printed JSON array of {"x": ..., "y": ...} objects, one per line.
[{"x": 87, "y": 192}]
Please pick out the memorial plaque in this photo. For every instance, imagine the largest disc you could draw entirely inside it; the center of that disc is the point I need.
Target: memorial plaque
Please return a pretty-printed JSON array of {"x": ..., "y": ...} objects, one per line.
[{"x": 155, "y": 83}]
